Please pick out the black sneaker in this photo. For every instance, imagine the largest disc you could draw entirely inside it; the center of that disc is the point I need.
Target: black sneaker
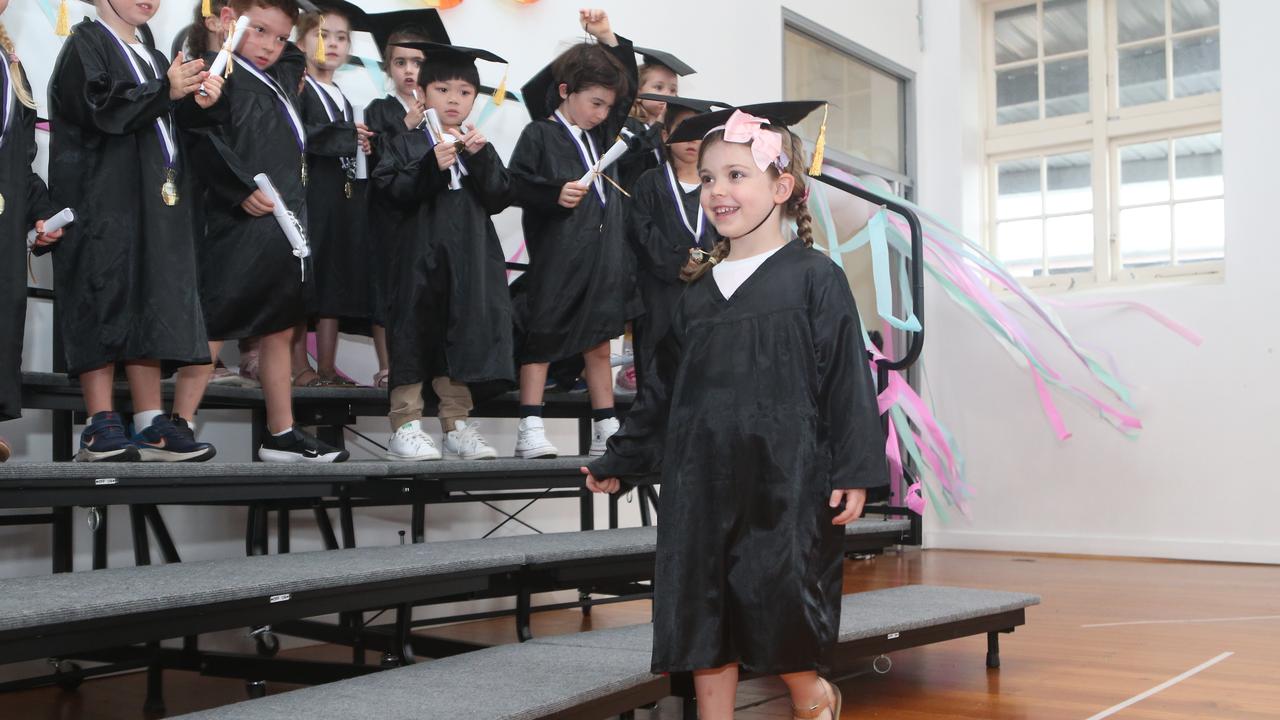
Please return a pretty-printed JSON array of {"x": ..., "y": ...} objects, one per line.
[
  {"x": 297, "y": 446},
  {"x": 170, "y": 439},
  {"x": 104, "y": 440}
]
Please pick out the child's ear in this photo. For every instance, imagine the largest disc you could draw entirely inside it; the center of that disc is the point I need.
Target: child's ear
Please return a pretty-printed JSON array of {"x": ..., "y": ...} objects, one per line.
[
  {"x": 564, "y": 91},
  {"x": 228, "y": 17},
  {"x": 783, "y": 187}
]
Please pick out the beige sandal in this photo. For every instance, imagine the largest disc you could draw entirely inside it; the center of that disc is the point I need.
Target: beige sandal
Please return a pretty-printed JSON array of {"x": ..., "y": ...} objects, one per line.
[{"x": 834, "y": 703}]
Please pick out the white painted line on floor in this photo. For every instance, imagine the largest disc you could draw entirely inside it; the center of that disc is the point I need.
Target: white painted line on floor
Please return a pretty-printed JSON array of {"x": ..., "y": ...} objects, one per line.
[
  {"x": 1184, "y": 622},
  {"x": 1162, "y": 686}
]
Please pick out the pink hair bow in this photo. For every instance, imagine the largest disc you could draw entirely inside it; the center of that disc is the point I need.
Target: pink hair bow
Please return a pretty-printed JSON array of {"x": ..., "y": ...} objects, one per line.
[{"x": 766, "y": 145}]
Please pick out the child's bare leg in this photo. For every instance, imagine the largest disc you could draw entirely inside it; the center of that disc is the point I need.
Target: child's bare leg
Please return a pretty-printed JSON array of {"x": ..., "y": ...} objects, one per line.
[
  {"x": 298, "y": 351},
  {"x": 807, "y": 691},
  {"x": 274, "y": 371},
  {"x": 599, "y": 376},
  {"x": 533, "y": 383},
  {"x": 96, "y": 386},
  {"x": 380, "y": 347},
  {"x": 327, "y": 346},
  {"x": 192, "y": 381},
  {"x": 716, "y": 689},
  {"x": 144, "y": 384}
]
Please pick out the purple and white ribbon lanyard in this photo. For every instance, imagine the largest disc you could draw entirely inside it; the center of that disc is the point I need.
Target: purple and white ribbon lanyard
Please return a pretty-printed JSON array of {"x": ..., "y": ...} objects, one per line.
[
  {"x": 167, "y": 144},
  {"x": 588, "y": 155}
]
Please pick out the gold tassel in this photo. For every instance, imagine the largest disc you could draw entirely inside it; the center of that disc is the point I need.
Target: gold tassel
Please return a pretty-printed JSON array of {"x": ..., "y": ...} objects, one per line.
[
  {"x": 63, "y": 26},
  {"x": 206, "y": 9},
  {"x": 501, "y": 93},
  {"x": 320, "y": 43},
  {"x": 815, "y": 168}
]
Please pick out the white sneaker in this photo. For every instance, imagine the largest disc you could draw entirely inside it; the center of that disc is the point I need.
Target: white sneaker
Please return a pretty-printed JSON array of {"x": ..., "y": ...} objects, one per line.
[
  {"x": 411, "y": 443},
  {"x": 467, "y": 443},
  {"x": 532, "y": 440},
  {"x": 601, "y": 431}
]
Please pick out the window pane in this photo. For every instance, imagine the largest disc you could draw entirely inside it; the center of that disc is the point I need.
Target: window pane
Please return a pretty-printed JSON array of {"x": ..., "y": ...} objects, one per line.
[
  {"x": 1201, "y": 230},
  {"x": 1144, "y": 236},
  {"x": 1196, "y": 65},
  {"x": 1016, "y": 34},
  {"x": 1017, "y": 95},
  {"x": 1197, "y": 166},
  {"x": 1069, "y": 243},
  {"x": 1194, "y": 14},
  {"x": 1065, "y": 26},
  {"x": 1069, "y": 186},
  {"x": 1139, "y": 19},
  {"x": 866, "y": 116},
  {"x": 1142, "y": 74},
  {"x": 1066, "y": 86},
  {"x": 1144, "y": 173},
  {"x": 1020, "y": 246},
  {"x": 1018, "y": 193}
]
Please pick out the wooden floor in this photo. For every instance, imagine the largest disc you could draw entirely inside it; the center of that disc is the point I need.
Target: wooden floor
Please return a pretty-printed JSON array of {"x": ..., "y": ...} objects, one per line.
[{"x": 1054, "y": 668}]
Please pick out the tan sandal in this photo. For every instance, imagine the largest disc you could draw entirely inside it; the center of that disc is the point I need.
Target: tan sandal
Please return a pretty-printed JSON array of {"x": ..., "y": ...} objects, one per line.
[
  {"x": 313, "y": 379},
  {"x": 834, "y": 703}
]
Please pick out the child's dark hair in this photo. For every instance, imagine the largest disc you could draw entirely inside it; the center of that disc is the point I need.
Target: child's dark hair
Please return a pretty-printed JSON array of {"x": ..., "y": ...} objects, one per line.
[
  {"x": 588, "y": 65},
  {"x": 198, "y": 34},
  {"x": 288, "y": 7},
  {"x": 433, "y": 71},
  {"x": 796, "y": 207}
]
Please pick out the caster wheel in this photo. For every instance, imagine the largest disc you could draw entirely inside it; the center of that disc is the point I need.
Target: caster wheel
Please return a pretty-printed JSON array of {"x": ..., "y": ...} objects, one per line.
[
  {"x": 267, "y": 644},
  {"x": 256, "y": 689},
  {"x": 67, "y": 675},
  {"x": 389, "y": 661},
  {"x": 882, "y": 665},
  {"x": 585, "y": 600}
]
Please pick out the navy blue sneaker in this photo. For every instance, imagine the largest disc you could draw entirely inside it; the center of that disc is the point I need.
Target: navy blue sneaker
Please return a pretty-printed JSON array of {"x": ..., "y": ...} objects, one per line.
[
  {"x": 104, "y": 440},
  {"x": 170, "y": 439}
]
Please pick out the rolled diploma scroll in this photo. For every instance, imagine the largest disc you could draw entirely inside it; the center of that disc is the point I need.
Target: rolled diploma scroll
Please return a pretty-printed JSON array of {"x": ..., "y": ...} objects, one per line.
[
  {"x": 618, "y": 150},
  {"x": 57, "y": 222},
  {"x": 224, "y": 55},
  {"x": 288, "y": 221},
  {"x": 455, "y": 172},
  {"x": 362, "y": 160}
]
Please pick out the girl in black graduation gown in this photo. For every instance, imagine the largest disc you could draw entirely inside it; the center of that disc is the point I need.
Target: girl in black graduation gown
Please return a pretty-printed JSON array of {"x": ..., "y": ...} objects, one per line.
[
  {"x": 581, "y": 275},
  {"x": 763, "y": 421},
  {"x": 125, "y": 274},
  {"x": 668, "y": 226},
  {"x": 24, "y": 205},
  {"x": 450, "y": 323},
  {"x": 251, "y": 283},
  {"x": 389, "y": 117}
]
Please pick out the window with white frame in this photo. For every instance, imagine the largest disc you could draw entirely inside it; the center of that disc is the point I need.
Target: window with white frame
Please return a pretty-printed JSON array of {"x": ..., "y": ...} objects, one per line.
[{"x": 1104, "y": 142}]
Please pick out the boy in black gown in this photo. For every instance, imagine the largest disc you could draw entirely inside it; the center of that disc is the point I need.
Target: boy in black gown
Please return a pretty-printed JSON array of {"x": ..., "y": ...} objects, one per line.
[
  {"x": 251, "y": 283},
  {"x": 125, "y": 273},
  {"x": 450, "y": 314}
]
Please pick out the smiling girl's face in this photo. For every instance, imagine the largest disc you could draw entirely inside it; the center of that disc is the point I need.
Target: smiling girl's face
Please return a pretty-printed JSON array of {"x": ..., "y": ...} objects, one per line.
[
  {"x": 737, "y": 195},
  {"x": 133, "y": 12}
]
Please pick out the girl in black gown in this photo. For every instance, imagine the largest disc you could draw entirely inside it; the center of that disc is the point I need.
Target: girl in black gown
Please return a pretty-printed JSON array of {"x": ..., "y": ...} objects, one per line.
[
  {"x": 24, "y": 204},
  {"x": 763, "y": 421}
]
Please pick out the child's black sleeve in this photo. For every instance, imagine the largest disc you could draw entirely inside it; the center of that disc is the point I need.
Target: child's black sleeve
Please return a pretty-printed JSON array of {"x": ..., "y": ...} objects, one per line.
[
  {"x": 626, "y": 54},
  {"x": 87, "y": 95},
  {"x": 407, "y": 172},
  {"x": 490, "y": 178},
  {"x": 530, "y": 189}
]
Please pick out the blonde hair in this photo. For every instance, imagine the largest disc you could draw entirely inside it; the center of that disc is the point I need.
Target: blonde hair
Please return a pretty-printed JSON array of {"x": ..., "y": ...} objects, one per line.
[
  {"x": 20, "y": 90},
  {"x": 796, "y": 207},
  {"x": 637, "y": 110}
]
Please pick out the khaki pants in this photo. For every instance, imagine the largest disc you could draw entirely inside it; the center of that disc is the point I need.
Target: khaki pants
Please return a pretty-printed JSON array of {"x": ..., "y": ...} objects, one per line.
[{"x": 455, "y": 403}]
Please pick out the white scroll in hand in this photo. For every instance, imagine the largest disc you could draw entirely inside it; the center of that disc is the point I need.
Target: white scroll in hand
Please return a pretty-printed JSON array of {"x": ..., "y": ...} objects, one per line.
[
  {"x": 224, "y": 55},
  {"x": 362, "y": 160},
  {"x": 57, "y": 222},
  {"x": 456, "y": 171},
  {"x": 288, "y": 222},
  {"x": 611, "y": 156}
]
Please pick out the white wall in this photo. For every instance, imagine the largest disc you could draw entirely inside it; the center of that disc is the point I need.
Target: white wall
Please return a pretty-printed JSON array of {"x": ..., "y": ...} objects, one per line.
[{"x": 1199, "y": 482}]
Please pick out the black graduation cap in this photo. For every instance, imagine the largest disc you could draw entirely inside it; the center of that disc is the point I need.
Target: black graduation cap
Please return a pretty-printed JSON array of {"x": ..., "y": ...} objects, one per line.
[
  {"x": 537, "y": 94},
  {"x": 358, "y": 17},
  {"x": 784, "y": 114},
  {"x": 425, "y": 21},
  {"x": 666, "y": 59},
  {"x": 456, "y": 54},
  {"x": 692, "y": 104}
]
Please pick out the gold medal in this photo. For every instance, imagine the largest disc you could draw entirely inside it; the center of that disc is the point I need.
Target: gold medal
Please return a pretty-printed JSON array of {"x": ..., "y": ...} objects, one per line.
[
  {"x": 304, "y": 170},
  {"x": 169, "y": 190},
  {"x": 1, "y": 203},
  {"x": 346, "y": 189}
]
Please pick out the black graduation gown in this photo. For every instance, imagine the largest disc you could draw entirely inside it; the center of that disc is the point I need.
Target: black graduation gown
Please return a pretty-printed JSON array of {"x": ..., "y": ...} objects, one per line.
[
  {"x": 335, "y": 222},
  {"x": 250, "y": 282},
  {"x": 661, "y": 243},
  {"x": 648, "y": 155},
  {"x": 764, "y": 404},
  {"x": 579, "y": 289},
  {"x": 450, "y": 308},
  {"x": 385, "y": 118},
  {"x": 26, "y": 200},
  {"x": 125, "y": 271}
]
